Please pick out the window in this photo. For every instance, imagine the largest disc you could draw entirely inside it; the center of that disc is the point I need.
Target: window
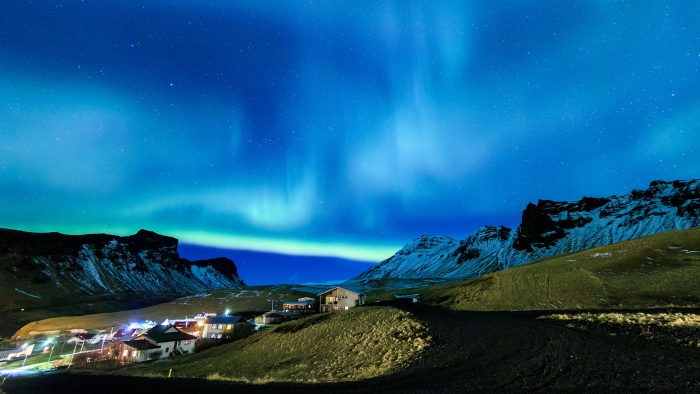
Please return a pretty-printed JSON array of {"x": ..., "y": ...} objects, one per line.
[
  {"x": 228, "y": 327},
  {"x": 187, "y": 342},
  {"x": 221, "y": 326},
  {"x": 219, "y": 336},
  {"x": 133, "y": 353},
  {"x": 213, "y": 336},
  {"x": 167, "y": 349},
  {"x": 126, "y": 353}
]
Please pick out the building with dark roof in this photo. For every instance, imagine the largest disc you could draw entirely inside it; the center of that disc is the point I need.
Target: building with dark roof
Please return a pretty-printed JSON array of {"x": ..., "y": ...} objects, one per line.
[{"x": 159, "y": 342}]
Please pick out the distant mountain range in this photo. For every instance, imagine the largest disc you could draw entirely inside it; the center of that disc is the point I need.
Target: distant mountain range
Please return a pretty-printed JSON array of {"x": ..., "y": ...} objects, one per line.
[
  {"x": 547, "y": 228},
  {"x": 54, "y": 265}
]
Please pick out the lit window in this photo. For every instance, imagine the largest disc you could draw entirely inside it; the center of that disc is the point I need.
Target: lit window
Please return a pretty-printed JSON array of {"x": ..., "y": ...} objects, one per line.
[
  {"x": 228, "y": 327},
  {"x": 133, "y": 354},
  {"x": 126, "y": 353},
  {"x": 187, "y": 342}
]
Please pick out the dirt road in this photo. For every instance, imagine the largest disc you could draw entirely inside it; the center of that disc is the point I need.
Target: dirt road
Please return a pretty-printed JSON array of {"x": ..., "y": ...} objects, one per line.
[{"x": 471, "y": 352}]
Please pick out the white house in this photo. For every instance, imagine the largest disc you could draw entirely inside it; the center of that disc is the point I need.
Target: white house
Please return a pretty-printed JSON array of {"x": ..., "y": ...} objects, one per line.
[
  {"x": 158, "y": 342},
  {"x": 9, "y": 354}
]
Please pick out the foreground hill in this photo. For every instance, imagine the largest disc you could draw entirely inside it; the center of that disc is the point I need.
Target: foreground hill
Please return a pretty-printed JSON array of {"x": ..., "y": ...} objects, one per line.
[
  {"x": 661, "y": 270},
  {"x": 358, "y": 344},
  {"x": 548, "y": 228},
  {"x": 48, "y": 268}
]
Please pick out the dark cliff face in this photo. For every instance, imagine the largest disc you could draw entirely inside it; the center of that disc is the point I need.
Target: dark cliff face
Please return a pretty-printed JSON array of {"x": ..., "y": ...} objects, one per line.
[
  {"x": 222, "y": 264},
  {"x": 470, "y": 248},
  {"x": 97, "y": 263}
]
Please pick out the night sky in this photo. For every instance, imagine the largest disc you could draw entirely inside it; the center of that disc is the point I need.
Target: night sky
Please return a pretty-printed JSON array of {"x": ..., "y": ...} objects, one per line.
[{"x": 336, "y": 129}]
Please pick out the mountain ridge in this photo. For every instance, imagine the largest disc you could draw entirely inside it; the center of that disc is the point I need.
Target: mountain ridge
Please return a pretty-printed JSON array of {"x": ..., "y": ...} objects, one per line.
[
  {"x": 55, "y": 265},
  {"x": 546, "y": 229}
]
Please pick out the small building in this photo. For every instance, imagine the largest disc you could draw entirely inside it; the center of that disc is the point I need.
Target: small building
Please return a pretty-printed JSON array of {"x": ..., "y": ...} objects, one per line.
[
  {"x": 339, "y": 299},
  {"x": 272, "y": 317},
  {"x": 407, "y": 297},
  {"x": 9, "y": 354},
  {"x": 204, "y": 315},
  {"x": 224, "y": 327},
  {"x": 158, "y": 342},
  {"x": 303, "y": 305}
]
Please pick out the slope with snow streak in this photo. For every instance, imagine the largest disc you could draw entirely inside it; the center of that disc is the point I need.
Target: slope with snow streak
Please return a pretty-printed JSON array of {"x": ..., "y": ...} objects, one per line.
[
  {"x": 56, "y": 264},
  {"x": 547, "y": 228}
]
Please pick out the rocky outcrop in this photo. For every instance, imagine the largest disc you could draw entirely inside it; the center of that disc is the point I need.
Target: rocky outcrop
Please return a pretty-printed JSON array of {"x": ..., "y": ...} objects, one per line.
[
  {"x": 146, "y": 262},
  {"x": 548, "y": 228}
]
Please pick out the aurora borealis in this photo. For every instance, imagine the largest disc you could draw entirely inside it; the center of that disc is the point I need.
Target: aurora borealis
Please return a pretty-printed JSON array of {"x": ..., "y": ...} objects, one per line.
[{"x": 336, "y": 128}]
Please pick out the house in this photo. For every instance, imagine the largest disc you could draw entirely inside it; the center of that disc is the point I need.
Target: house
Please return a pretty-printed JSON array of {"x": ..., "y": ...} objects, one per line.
[
  {"x": 9, "y": 354},
  {"x": 339, "y": 299},
  {"x": 224, "y": 327},
  {"x": 158, "y": 342},
  {"x": 272, "y": 317},
  {"x": 190, "y": 326},
  {"x": 204, "y": 315},
  {"x": 303, "y": 305}
]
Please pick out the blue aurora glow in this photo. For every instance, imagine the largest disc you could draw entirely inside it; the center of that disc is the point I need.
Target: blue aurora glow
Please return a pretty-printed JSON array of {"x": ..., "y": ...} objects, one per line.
[{"x": 336, "y": 128}]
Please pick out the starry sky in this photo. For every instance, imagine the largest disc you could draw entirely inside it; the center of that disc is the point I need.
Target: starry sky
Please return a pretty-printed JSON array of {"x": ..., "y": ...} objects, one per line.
[{"x": 308, "y": 139}]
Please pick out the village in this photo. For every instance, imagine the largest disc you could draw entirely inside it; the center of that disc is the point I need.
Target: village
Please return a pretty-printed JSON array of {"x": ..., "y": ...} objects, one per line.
[{"x": 147, "y": 341}]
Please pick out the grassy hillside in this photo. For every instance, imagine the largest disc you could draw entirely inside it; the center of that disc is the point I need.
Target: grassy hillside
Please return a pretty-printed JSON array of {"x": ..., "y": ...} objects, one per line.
[
  {"x": 662, "y": 270},
  {"x": 361, "y": 343},
  {"x": 250, "y": 298}
]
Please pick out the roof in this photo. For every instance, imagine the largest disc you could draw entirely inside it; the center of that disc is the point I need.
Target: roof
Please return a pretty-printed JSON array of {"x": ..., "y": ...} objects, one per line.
[
  {"x": 140, "y": 344},
  {"x": 166, "y": 334},
  {"x": 342, "y": 288},
  {"x": 287, "y": 314},
  {"x": 124, "y": 332},
  {"x": 406, "y": 295},
  {"x": 224, "y": 320}
]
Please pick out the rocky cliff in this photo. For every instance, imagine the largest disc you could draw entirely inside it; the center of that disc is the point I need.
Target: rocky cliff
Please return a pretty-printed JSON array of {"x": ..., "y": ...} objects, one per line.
[
  {"x": 56, "y": 265},
  {"x": 547, "y": 228}
]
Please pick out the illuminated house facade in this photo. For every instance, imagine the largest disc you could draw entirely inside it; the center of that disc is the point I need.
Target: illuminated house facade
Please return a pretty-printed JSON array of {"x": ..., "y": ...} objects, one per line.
[
  {"x": 224, "y": 327},
  {"x": 339, "y": 299}
]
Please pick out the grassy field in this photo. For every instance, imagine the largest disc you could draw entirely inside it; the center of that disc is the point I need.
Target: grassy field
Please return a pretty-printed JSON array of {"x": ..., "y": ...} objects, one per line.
[
  {"x": 358, "y": 344},
  {"x": 666, "y": 328},
  {"x": 250, "y": 298},
  {"x": 662, "y": 270}
]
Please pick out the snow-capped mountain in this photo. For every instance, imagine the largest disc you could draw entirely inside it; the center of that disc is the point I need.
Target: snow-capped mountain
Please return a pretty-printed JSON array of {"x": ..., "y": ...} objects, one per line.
[
  {"x": 547, "y": 229},
  {"x": 54, "y": 264}
]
